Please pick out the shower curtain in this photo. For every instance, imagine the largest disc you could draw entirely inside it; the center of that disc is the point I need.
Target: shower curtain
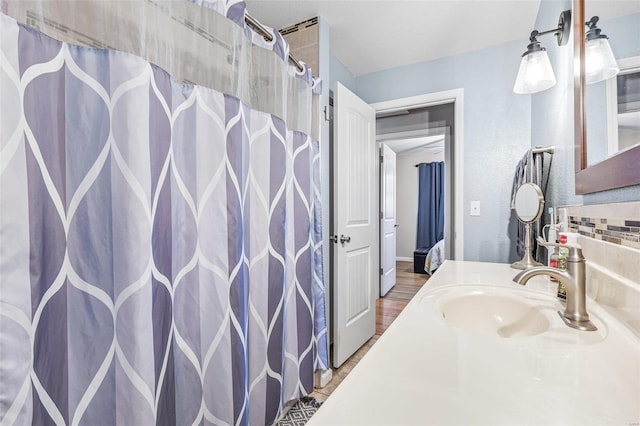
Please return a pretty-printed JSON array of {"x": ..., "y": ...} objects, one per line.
[
  {"x": 160, "y": 244},
  {"x": 430, "y": 204}
]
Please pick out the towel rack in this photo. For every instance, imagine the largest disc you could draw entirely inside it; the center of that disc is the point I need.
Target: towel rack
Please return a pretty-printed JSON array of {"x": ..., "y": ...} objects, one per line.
[{"x": 540, "y": 149}]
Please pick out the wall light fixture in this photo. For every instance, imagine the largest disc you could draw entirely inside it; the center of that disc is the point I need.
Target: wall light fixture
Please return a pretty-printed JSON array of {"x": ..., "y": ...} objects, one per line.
[
  {"x": 535, "y": 73},
  {"x": 600, "y": 64}
]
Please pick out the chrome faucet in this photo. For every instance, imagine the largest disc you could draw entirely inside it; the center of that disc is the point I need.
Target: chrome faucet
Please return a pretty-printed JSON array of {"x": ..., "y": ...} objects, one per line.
[{"x": 575, "y": 314}]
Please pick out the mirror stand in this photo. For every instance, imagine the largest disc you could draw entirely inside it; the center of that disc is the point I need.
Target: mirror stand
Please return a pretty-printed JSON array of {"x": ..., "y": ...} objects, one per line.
[
  {"x": 527, "y": 260},
  {"x": 528, "y": 204}
]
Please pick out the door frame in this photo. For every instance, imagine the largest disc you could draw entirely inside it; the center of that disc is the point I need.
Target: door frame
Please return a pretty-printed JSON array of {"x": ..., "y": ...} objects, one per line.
[{"x": 455, "y": 96}]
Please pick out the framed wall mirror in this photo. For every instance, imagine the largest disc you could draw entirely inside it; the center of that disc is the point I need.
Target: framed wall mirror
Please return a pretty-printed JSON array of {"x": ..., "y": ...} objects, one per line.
[{"x": 607, "y": 110}]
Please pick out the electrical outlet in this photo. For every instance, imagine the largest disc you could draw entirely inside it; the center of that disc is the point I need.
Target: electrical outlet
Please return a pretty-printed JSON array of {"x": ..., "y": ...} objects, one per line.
[{"x": 475, "y": 208}]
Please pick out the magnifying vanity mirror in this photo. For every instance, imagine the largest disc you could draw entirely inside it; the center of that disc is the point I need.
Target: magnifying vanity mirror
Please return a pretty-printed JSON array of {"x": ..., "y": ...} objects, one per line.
[
  {"x": 529, "y": 204},
  {"x": 607, "y": 112}
]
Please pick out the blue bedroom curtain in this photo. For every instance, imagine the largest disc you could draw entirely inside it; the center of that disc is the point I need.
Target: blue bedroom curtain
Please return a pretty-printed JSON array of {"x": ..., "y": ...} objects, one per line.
[
  {"x": 160, "y": 245},
  {"x": 430, "y": 204}
]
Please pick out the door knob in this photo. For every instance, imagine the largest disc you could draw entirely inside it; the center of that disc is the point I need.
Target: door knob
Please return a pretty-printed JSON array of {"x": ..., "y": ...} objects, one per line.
[{"x": 344, "y": 239}]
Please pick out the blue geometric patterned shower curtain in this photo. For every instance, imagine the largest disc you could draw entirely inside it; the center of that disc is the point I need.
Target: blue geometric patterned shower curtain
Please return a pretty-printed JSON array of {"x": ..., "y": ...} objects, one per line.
[{"x": 160, "y": 245}]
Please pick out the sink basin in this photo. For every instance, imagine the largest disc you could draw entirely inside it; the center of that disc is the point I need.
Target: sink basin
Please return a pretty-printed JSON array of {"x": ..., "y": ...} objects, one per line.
[{"x": 498, "y": 312}]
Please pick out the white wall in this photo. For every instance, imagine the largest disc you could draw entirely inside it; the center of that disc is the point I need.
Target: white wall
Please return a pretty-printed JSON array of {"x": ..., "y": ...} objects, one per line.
[{"x": 407, "y": 200}]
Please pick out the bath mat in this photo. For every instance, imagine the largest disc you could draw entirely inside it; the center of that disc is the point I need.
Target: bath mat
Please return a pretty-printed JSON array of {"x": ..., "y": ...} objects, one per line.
[{"x": 301, "y": 412}]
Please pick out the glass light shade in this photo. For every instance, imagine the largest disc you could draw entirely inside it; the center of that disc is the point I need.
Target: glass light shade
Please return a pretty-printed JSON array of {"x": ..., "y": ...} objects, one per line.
[
  {"x": 600, "y": 64},
  {"x": 535, "y": 73}
]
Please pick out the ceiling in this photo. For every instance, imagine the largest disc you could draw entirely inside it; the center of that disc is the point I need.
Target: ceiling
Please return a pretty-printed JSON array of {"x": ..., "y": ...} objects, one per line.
[
  {"x": 409, "y": 146},
  {"x": 374, "y": 35},
  {"x": 369, "y": 36}
]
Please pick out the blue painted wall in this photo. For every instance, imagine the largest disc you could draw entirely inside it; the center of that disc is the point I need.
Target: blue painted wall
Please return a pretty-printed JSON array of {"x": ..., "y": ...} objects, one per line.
[
  {"x": 499, "y": 126},
  {"x": 340, "y": 73},
  {"x": 496, "y": 133},
  {"x": 552, "y": 109}
]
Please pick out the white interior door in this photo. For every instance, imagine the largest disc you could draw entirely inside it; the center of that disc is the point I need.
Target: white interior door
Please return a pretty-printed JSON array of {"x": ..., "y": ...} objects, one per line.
[
  {"x": 388, "y": 219},
  {"x": 355, "y": 254}
]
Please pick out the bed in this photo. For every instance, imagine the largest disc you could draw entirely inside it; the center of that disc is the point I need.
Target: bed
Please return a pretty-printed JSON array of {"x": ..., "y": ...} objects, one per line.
[{"x": 435, "y": 257}]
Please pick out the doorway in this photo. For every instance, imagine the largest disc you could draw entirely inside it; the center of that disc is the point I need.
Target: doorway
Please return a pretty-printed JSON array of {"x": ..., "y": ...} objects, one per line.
[
  {"x": 410, "y": 151},
  {"x": 354, "y": 288},
  {"x": 423, "y": 129}
]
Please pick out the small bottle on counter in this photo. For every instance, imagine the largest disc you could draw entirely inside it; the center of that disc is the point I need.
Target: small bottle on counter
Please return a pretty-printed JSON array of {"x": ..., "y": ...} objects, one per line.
[
  {"x": 553, "y": 262},
  {"x": 562, "y": 265}
]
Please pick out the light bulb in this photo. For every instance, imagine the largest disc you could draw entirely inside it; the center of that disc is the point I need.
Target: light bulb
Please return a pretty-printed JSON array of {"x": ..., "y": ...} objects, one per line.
[
  {"x": 535, "y": 73},
  {"x": 600, "y": 64}
]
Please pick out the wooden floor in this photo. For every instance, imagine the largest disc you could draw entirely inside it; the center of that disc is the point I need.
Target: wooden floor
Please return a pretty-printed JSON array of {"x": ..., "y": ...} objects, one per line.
[
  {"x": 387, "y": 309},
  {"x": 390, "y": 306}
]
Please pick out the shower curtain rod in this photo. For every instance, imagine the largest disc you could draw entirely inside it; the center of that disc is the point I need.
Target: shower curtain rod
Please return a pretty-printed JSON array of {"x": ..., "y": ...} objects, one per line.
[{"x": 257, "y": 26}]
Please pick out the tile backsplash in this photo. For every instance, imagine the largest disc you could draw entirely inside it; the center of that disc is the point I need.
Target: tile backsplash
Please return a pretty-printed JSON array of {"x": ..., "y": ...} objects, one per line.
[
  {"x": 615, "y": 230},
  {"x": 610, "y": 240}
]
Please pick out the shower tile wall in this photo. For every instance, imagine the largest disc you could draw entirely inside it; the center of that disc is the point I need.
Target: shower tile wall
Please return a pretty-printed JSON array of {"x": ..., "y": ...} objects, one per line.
[{"x": 303, "y": 42}]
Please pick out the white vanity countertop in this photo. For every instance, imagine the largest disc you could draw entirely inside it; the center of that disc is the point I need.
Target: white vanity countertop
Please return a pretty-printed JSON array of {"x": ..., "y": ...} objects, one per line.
[{"x": 423, "y": 371}]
